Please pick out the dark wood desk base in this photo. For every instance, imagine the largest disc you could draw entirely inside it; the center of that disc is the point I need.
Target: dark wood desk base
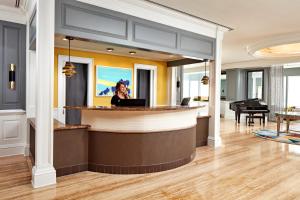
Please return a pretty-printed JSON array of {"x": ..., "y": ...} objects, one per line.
[{"x": 77, "y": 150}]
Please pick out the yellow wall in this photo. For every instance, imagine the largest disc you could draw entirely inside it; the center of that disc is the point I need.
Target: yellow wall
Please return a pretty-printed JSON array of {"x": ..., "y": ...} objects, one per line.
[{"x": 114, "y": 61}]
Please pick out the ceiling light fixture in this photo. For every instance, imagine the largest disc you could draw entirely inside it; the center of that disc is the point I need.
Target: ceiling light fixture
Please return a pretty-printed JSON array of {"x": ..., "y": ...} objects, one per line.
[
  {"x": 132, "y": 52},
  {"x": 65, "y": 39},
  {"x": 109, "y": 49},
  {"x": 284, "y": 50},
  {"x": 205, "y": 79},
  {"x": 69, "y": 68}
]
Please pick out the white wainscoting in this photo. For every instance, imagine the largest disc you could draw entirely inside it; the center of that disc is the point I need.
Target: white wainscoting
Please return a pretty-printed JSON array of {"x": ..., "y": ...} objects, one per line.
[
  {"x": 14, "y": 139},
  {"x": 55, "y": 114},
  {"x": 226, "y": 112}
]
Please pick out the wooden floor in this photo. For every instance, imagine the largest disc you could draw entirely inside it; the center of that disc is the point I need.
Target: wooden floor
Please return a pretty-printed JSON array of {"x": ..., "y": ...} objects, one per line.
[{"x": 245, "y": 167}]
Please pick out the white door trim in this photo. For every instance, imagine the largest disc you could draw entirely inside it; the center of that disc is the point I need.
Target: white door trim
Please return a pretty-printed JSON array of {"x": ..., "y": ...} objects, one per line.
[
  {"x": 153, "y": 81},
  {"x": 62, "y": 59}
]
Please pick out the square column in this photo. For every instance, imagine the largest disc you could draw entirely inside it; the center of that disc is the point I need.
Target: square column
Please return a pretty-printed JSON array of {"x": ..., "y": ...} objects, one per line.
[
  {"x": 43, "y": 172},
  {"x": 214, "y": 138}
]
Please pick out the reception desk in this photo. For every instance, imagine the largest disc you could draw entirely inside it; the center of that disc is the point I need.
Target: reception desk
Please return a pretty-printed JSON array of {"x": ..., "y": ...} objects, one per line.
[
  {"x": 132, "y": 140},
  {"x": 126, "y": 140}
]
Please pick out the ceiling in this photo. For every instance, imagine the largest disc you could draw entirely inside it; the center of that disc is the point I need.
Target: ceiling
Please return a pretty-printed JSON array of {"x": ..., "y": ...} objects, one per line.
[
  {"x": 9, "y": 3},
  {"x": 100, "y": 47},
  {"x": 12, "y": 3},
  {"x": 253, "y": 21}
]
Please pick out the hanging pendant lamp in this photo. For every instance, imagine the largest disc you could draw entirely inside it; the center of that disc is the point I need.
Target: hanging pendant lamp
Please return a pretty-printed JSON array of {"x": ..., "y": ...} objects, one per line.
[
  {"x": 205, "y": 79},
  {"x": 69, "y": 68}
]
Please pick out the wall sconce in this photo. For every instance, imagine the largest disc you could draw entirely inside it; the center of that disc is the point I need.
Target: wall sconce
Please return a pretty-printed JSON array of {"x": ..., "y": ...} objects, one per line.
[
  {"x": 178, "y": 83},
  {"x": 12, "y": 77}
]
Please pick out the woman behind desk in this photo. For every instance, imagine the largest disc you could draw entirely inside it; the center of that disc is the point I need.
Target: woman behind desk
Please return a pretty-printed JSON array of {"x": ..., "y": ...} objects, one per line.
[{"x": 120, "y": 93}]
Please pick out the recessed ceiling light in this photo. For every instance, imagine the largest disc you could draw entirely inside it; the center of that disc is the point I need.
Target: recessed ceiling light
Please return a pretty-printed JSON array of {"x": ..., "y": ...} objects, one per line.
[
  {"x": 132, "y": 52},
  {"x": 109, "y": 49}
]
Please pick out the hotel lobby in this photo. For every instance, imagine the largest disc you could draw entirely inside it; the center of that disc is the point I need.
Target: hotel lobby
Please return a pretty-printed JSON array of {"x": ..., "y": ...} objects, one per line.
[{"x": 148, "y": 99}]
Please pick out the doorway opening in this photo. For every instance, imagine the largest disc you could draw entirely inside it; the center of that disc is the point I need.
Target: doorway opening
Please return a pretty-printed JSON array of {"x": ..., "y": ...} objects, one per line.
[
  {"x": 145, "y": 83},
  {"x": 74, "y": 91}
]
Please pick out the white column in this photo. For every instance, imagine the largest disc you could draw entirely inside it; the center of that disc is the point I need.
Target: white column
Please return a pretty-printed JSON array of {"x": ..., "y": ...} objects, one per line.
[
  {"x": 43, "y": 172},
  {"x": 214, "y": 93},
  {"x": 172, "y": 85}
]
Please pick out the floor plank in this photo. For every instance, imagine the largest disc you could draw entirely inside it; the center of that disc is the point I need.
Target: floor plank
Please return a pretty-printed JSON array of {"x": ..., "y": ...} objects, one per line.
[{"x": 244, "y": 167}]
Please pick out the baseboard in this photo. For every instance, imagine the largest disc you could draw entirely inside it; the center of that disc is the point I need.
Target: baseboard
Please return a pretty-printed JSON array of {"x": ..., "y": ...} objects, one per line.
[
  {"x": 11, "y": 150},
  {"x": 214, "y": 142},
  {"x": 27, "y": 150},
  {"x": 43, "y": 177}
]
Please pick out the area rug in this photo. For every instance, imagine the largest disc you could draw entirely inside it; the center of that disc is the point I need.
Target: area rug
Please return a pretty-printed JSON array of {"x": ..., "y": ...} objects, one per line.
[{"x": 289, "y": 138}]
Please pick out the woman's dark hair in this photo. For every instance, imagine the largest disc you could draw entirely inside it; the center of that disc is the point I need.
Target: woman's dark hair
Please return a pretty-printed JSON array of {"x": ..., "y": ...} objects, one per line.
[{"x": 118, "y": 85}]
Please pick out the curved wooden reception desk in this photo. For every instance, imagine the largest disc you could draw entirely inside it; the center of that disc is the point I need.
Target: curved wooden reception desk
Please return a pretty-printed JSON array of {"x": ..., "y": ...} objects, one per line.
[{"x": 139, "y": 139}]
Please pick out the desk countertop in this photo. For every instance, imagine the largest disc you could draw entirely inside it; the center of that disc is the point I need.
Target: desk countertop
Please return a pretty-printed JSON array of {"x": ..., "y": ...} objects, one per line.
[
  {"x": 154, "y": 108},
  {"x": 60, "y": 126}
]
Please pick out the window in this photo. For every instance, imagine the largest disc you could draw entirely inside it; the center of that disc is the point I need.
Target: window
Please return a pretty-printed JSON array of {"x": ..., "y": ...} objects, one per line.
[
  {"x": 293, "y": 96},
  {"x": 223, "y": 86},
  {"x": 192, "y": 86},
  {"x": 255, "y": 84}
]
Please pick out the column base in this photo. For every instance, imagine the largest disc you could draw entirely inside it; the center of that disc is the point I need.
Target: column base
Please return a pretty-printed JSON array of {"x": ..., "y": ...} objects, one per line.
[
  {"x": 214, "y": 141},
  {"x": 43, "y": 177}
]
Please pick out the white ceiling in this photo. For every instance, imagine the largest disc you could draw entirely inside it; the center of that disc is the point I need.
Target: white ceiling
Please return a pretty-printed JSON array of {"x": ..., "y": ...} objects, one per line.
[
  {"x": 99, "y": 47},
  {"x": 9, "y": 3},
  {"x": 252, "y": 21},
  {"x": 12, "y": 3}
]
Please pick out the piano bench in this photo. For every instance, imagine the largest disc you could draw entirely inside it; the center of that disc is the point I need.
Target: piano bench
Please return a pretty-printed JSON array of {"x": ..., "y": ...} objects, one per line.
[{"x": 250, "y": 119}]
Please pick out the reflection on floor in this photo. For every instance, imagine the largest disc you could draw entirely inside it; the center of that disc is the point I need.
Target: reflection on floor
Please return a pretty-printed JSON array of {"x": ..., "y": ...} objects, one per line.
[{"x": 245, "y": 167}]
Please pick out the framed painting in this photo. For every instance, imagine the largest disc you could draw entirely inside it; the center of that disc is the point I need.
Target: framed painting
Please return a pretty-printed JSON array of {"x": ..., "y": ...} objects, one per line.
[{"x": 108, "y": 77}]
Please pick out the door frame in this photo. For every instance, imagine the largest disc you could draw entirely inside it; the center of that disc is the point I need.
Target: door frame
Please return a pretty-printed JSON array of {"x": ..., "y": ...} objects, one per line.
[
  {"x": 62, "y": 59},
  {"x": 153, "y": 81}
]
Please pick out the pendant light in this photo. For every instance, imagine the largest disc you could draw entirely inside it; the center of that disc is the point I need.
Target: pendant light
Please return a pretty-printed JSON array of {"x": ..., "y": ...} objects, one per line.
[
  {"x": 69, "y": 68},
  {"x": 205, "y": 79}
]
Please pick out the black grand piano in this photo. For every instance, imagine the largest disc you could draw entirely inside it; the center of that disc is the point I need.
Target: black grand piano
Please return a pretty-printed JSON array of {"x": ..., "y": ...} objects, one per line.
[{"x": 252, "y": 107}]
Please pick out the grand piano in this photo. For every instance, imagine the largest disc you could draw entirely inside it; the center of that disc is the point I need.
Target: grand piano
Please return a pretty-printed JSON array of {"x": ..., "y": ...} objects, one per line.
[{"x": 250, "y": 107}]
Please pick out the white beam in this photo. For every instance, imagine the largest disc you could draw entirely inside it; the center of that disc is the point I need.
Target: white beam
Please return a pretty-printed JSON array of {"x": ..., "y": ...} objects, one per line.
[
  {"x": 43, "y": 172},
  {"x": 214, "y": 138},
  {"x": 159, "y": 14},
  {"x": 12, "y": 14}
]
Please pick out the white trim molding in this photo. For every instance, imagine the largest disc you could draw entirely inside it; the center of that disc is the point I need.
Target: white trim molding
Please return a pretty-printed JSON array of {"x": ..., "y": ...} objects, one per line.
[
  {"x": 43, "y": 176},
  {"x": 13, "y": 133},
  {"x": 62, "y": 59},
  {"x": 153, "y": 81},
  {"x": 214, "y": 142},
  {"x": 12, "y": 112}
]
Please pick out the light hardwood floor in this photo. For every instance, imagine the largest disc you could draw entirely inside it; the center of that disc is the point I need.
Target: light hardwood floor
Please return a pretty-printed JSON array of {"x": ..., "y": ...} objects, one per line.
[{"x": 245, "y": 167}]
